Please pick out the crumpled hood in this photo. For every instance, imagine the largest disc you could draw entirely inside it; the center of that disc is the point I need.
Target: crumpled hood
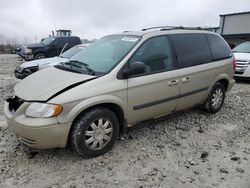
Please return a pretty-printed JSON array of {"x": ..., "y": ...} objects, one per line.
[
  {"x": 43, "y": 84},
  {"x": 43, "y": 63},
  {"x": 242, "y": 56}
]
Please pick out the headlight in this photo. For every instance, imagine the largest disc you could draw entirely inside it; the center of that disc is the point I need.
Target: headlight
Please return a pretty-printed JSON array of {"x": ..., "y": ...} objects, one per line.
[
  {"x": 43, "y": 110},
  {"x": 28, "y": 51}
]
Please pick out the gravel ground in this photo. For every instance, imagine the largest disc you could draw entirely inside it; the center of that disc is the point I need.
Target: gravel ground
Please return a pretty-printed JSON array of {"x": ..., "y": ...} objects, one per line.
[{"x": 187, "y": 149}]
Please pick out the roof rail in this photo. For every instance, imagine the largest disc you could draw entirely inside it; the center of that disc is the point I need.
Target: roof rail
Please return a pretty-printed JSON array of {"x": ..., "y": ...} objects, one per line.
[{"x": 164, "y": 28}]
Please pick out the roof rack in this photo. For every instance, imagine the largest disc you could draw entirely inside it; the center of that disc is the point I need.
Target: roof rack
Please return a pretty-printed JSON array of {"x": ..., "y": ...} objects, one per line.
[
  {"x": 160, "y": 27},
  {"x": 163, "y": 28}
]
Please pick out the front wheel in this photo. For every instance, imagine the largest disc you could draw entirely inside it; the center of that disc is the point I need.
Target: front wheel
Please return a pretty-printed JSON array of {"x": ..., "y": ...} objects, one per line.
[
  {"x": 94, "y": 132},
  {"x": 215, "y": 99}
]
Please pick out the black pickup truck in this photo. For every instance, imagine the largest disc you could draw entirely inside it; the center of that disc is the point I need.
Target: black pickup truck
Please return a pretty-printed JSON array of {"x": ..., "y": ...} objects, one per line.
[{"x": 48, "y": 47}]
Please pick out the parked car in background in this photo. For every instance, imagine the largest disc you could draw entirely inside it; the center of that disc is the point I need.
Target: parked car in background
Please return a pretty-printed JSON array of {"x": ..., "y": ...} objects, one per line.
[
  {"x": 242, "y": 56},
  {"x": 48, "y": 47},
  {"x": 30, "y": 67},
  {"x": 116, "y": 82}
]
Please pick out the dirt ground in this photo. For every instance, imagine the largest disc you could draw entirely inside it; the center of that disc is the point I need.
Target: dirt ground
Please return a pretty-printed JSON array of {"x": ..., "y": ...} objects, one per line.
[{"x": 187, "y": 149}]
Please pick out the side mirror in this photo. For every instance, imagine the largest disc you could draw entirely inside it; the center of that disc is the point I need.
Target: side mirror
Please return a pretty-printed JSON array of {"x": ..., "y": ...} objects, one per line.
[{"x": 135, "y": 68}]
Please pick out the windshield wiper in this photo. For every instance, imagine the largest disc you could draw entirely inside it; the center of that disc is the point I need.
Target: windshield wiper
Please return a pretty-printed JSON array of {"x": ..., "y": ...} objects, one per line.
[
  {"x": 80, "y": 64},
  {"x": 69, "y": 68}
]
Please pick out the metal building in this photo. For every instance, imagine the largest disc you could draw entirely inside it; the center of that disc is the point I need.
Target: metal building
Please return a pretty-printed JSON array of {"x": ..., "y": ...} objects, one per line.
[{"x": 235, "y": 27}]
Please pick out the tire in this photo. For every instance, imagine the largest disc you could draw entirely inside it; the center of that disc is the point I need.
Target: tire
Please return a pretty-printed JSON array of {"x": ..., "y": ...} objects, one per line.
[
  {"x": 215, "y": 98},
  {"x": 40, "y": 56},
  {"x": 90, "y": 140}
]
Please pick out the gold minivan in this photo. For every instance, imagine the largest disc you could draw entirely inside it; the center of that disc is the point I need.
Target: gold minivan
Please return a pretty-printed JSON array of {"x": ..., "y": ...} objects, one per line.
[{"x": 116, "y": 82}]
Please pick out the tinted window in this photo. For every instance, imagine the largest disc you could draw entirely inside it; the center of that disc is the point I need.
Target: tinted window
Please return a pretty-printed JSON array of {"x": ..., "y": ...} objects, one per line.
[
  {"x": 191, "y": 49},
  {"x": 48, "y": 40},
  {"x": 156, "y": 54},
  {"x": 61, "y": 42},
  {"x": 74, "y": 41},
  {"x": 219, "y": 48}
]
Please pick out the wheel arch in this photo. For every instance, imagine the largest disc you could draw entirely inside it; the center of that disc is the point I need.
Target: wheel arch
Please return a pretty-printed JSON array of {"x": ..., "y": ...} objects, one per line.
[
  {"x": 118, "y": 111},
  {"x": 40, "y": 51},
  {"x": 113, "y": 106},
  {"x": 223, "y": 79},
  {"x": 224, "y": 82}
]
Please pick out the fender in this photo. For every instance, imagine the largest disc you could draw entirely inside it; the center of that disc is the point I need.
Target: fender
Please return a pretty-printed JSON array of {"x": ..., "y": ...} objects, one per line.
[{"x": 91, "y": 102}]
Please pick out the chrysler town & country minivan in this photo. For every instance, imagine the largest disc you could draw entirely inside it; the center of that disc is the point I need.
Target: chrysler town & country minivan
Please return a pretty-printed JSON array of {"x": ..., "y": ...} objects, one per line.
[{"x": 118, "y": 81}]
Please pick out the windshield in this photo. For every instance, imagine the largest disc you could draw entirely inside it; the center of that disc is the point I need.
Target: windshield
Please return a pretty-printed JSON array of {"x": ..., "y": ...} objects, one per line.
[
  {"x": 71, "y": 52},
  {"x": 102, "y": 55},
  {"x": 47, "y": 40},
  {"x": 243, "y": 48}
]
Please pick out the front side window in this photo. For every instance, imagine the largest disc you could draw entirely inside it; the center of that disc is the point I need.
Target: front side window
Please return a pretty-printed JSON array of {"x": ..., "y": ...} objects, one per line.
[
  {"x": 191, "y": 49},
  {"x": 47, "y": 40},
  {"x": 156, "y": 54}
]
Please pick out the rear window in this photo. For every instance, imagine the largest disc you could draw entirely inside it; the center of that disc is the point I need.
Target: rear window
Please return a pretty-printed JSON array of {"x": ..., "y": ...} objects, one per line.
[
  {"x": 219, "y": 48},
  {"x": 191, "y": 49}
]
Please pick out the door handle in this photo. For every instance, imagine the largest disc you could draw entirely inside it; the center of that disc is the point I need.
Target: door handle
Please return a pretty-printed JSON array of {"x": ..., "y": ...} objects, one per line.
[
  {"x": 185, "y": 80},
  {"x": 173, "y": 82}
]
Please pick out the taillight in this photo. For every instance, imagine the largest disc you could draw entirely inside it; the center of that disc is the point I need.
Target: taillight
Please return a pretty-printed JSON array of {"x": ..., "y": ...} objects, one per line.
[{"x": 234, "y": 64}]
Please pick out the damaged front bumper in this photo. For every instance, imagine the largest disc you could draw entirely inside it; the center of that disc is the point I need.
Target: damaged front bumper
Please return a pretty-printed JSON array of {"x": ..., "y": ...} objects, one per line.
[
  {"x": 41, "y": 133},
  {"x": 27, "y": 57},
  {"x": 21, "y": 73}
]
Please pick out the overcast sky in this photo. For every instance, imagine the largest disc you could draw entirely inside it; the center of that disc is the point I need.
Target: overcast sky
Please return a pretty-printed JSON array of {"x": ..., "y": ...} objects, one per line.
[{"x": 27, "y": 19}]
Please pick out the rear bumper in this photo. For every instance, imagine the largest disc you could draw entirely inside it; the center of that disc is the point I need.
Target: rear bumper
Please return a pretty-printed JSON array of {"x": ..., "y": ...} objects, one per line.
[{"x": 41, "y": 133}]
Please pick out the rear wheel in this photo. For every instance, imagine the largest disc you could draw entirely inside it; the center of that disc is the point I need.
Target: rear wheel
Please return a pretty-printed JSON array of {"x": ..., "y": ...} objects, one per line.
[
  {"x": 215, "y": 99},
  {"x": 94, "y": 132},
  {"x": 40, "y": 56}
]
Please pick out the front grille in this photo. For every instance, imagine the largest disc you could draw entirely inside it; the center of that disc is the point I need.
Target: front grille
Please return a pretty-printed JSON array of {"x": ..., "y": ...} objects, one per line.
[
  {"x": 238, "y": 72},
  {"x": 241, "y": 66},
  {"x": 14, "y": 103}
]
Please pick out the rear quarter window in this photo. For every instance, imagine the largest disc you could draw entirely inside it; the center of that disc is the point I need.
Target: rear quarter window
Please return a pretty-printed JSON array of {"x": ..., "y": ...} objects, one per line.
[
  {"x": 60, "y": 41},
  {"x": 191, "y": 49},
  {"x": 219, "y": 47},
  {"x": 72, "y": 41}
]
